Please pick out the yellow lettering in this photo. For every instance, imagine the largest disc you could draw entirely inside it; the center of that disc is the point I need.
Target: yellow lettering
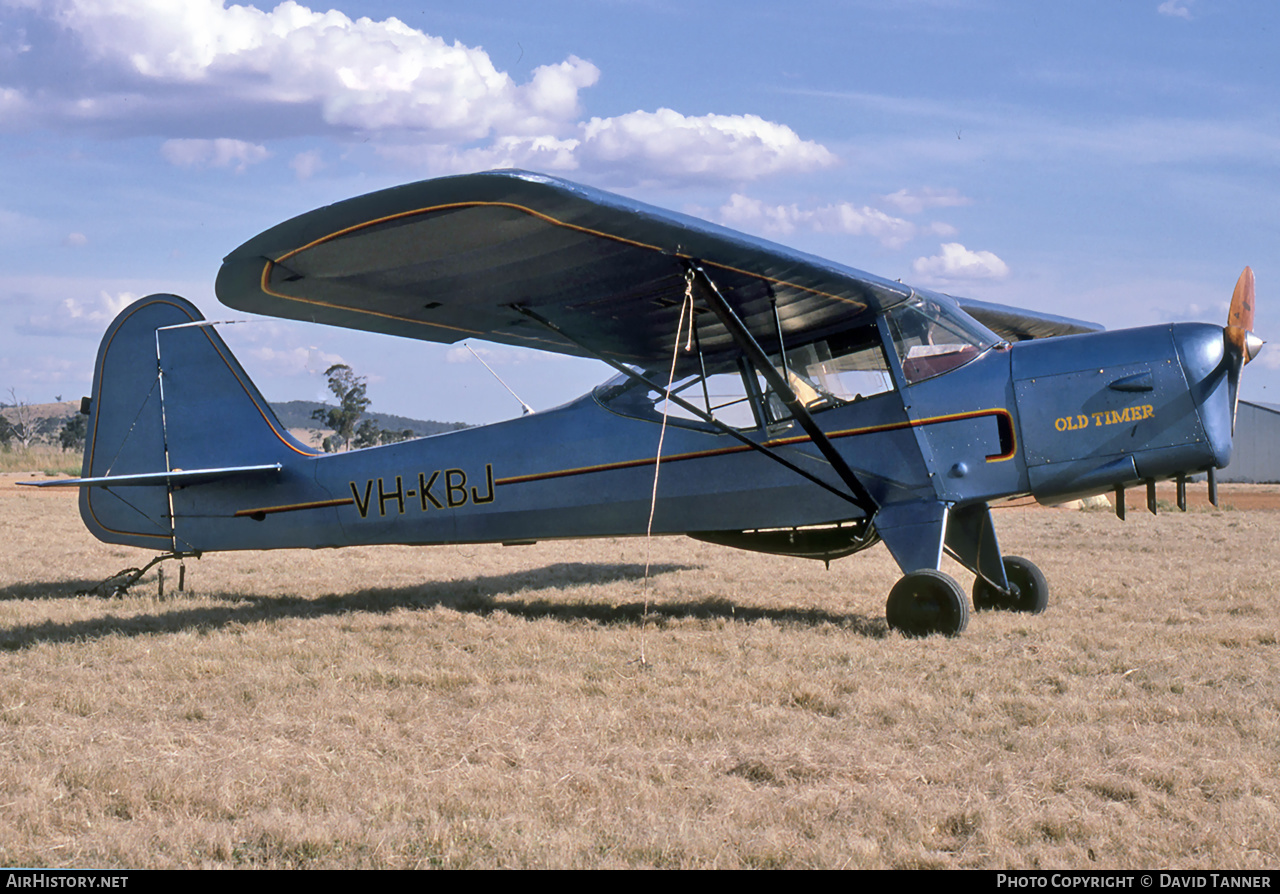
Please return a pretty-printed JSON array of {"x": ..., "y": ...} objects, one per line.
[
  {"x": 1105, "y": 417},
  {"x": 397, "y": 495},
  {"x": 488, "y": 477},
  {"x": 362, "y": 506},
  {"x": 450, "y": 488},
  {"x": 455, "y": 492},
  {"x": 1071, "y": 423},
  {"x": 424, "y": 490}
]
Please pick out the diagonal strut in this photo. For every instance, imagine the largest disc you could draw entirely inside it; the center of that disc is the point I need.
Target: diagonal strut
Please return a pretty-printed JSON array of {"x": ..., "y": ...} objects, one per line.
[
  {"x": 747, "y": 343},
  {"x": 701, "y": 414}
]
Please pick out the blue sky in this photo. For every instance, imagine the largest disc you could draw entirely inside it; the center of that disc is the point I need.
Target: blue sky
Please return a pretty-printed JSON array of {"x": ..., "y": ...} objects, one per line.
[{"x": 1115, "y": 161}]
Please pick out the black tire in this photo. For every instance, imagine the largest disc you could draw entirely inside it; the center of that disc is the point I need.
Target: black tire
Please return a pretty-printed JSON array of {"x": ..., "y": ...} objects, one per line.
[
  {"x": 926, "y": 602},
  {"x": 1030, "y": 589}
]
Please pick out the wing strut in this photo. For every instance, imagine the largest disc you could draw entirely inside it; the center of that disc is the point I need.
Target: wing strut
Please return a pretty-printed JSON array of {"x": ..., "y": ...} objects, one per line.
[
  {"x": 778, "y": 383},
  {"x": 701, "y": 414}
]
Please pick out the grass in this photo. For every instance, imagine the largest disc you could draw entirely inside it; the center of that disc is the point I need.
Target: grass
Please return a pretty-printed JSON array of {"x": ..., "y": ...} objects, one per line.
[
  {"x": 487, "y": 707},
  {"x": 40, "y": 459}
]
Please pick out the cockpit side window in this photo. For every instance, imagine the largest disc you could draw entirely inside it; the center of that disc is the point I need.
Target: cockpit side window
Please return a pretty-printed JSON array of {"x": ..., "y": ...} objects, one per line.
[
  {"x": 826, "y": 373},
  {"x": 722, "y": 394}
]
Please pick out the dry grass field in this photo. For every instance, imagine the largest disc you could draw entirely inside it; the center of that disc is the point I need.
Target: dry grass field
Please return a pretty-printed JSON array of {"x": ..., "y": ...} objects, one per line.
[{"x": 487, "y": 707}]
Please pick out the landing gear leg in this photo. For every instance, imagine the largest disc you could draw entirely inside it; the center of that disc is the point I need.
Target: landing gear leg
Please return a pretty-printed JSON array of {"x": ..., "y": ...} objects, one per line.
[
  {"x": 925, "y": 602},
  {"x": 1028, "y": 589}
]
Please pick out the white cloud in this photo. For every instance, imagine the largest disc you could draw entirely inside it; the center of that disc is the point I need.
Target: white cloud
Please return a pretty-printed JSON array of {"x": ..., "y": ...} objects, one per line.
[
  {"x": 14, "y": 105},
  {"x": 752, "y": 214},
  {"x": 958, "y": 262},
  {"x": 103, "y": 310},
  {"x": 291, "y": 361},
  {"x": 307, "y": 164},
  {"x": 82, "y": 317},
  {"x": 220, "y": 153},
  {"x": 665, "y": 145},
  {"x": 1177, "y": 8},
  {"x": 544, "y": 153},
  {"x": 638, "y": 147},
  {"x": 357, "y": 75},
  {"x": 75, "y": 240},
  {"x": 916, "y": 201},
  {"x": 554, "y": 89},
  {"x": 206, "y": 69}
]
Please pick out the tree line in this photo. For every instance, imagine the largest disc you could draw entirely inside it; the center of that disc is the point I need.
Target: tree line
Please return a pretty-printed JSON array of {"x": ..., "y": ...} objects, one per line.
[{"x": 21, "y": 428}]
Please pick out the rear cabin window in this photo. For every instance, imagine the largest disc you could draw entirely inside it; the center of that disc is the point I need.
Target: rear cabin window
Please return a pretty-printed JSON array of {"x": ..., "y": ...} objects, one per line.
[{"x": 823, "y": 374}]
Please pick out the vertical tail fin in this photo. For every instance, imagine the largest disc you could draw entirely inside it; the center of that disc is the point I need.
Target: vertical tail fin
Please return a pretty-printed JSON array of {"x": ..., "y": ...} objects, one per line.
[{"x": 168, "y": 395}]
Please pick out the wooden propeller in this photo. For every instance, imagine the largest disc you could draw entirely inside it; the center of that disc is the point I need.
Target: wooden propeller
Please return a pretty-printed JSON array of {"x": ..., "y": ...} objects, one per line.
[{"x": 1239, "y": 329}]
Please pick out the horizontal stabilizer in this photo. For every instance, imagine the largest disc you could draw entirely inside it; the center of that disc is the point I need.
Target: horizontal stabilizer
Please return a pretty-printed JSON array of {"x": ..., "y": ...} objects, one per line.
[{"x": 174, "y": 478}]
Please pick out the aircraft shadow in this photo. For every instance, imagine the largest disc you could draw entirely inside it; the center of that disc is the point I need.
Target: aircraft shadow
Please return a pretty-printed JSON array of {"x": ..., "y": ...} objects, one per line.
[
  {"x": 560, "y": 574},
  {"x": 514, "y": 593}
]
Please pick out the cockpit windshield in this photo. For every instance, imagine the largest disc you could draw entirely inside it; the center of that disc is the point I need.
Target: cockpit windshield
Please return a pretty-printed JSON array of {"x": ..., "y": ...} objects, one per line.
[{"x": 932, "y": 338}]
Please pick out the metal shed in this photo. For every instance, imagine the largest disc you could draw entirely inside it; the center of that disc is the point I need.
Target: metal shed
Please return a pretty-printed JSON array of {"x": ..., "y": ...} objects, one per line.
[{"x": 1256, "y": 456}]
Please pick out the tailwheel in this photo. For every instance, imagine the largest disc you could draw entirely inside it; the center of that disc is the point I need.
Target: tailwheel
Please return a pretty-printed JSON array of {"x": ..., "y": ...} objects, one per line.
[
  {"x": 1028, "y": 589},
  {"x": 926, "y": 602}
]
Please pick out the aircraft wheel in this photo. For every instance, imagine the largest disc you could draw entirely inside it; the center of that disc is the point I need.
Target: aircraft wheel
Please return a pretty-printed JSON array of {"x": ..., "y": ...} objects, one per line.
[
  {"x": 926, "y": 602},
  {"x": 1030, "y": 589}
]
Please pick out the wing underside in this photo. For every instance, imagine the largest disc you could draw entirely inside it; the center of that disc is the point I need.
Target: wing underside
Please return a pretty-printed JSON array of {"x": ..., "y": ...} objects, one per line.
[
  {"x": 458, "y": 257},
  {"x": 449, "y": 259}
]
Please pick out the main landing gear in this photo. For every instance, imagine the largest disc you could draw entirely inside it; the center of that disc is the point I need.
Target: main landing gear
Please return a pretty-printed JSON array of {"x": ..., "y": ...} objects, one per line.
[
  {"x": 927, "y": 601},
  {"x": 1028, "y": 590}
]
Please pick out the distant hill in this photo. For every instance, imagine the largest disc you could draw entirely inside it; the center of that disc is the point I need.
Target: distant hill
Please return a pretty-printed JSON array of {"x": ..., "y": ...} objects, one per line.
[
  {"x": 58, "y": 411},
  {"x": 297, "y": 414},
  {"x": 294, "y": 414}
]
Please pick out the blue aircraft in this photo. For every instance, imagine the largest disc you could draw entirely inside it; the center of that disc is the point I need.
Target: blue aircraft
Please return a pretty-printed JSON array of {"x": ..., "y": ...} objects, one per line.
[{"x": 809, "y": 409}]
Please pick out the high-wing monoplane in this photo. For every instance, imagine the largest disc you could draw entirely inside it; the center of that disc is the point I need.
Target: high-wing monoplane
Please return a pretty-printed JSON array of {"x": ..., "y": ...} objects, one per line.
[{"x": 809, "y": 409}]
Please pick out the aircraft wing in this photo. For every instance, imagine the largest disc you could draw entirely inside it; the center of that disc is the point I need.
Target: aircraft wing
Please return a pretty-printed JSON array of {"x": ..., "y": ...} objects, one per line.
[
  {"x": 446, "y": 259},
  {"x": 1019, "y": 324},
  {"x": 451, "y": 258}
]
